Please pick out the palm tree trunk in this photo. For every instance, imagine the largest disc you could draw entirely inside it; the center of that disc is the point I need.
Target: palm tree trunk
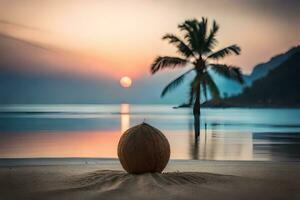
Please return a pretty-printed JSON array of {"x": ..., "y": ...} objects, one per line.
[{"x": 196, "y": 112}]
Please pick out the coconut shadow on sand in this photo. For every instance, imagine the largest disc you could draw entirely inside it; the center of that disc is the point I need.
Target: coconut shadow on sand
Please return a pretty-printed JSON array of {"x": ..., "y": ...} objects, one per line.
[
  {"x": 121, "y": 185},
  {"x": 106, "y": 184}
]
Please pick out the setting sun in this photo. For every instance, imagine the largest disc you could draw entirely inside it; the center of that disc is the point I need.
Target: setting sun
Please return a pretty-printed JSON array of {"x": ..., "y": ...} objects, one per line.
[{"x": 125, "y": 82}]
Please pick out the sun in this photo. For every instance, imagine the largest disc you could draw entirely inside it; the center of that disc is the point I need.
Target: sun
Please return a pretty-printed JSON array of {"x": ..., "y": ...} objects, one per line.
[{"x": 125, "y": 82}]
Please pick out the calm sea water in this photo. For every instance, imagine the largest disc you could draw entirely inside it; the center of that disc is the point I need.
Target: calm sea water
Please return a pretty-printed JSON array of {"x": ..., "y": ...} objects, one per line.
[{"x": 94, "y": 131}]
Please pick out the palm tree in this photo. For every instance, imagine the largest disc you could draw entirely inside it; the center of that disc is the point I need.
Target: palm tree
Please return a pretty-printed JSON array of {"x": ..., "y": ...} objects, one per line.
[{"x": 197, "y": 52}]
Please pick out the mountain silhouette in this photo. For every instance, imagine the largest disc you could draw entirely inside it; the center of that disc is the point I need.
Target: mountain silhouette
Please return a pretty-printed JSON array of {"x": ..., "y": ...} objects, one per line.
[
  {"x": 231, "y": 88},
  {"x": 263, "y": 69},
  {"x": 279, "y": 88}
]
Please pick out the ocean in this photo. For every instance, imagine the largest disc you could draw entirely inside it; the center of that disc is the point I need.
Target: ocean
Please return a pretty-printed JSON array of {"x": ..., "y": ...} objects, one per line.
[{"x": 93, "y": 131}]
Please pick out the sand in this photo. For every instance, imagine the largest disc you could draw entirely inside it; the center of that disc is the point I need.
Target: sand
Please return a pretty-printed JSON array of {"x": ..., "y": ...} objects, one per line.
[{"x": 105, "y": 179}]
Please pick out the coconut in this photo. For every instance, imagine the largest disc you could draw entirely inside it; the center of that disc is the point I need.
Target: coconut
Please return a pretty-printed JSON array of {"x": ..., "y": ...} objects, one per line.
[{"x": 143, "y": 149}]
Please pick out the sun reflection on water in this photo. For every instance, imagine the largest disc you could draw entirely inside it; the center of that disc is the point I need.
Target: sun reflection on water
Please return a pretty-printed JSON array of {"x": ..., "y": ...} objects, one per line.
[{"x": 125, "y": 117}]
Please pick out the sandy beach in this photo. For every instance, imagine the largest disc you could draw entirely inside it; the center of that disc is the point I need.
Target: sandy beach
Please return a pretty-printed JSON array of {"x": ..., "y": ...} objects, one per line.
[{"x": 105, "y": 179}]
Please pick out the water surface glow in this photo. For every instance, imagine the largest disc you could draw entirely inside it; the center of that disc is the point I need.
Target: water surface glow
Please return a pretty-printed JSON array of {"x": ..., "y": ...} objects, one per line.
[{"x": 94, "y": 131}]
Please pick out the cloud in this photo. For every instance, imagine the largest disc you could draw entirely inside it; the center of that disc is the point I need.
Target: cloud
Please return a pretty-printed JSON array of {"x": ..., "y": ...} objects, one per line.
[
  {"x": 31, "y": 43},
  {"x": 27, "y": 42},
  {"x": 9, "y": 23}
]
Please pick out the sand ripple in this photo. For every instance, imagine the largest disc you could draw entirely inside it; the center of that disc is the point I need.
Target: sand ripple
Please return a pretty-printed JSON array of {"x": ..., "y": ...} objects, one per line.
[{"x": 80, "y": 182}]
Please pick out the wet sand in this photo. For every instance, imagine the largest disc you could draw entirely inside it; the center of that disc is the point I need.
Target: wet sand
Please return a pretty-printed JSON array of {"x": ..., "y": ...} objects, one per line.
[{"x": 105, "y": 179}]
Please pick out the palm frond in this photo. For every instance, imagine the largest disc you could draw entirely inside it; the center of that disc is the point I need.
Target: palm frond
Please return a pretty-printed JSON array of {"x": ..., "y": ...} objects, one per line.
[
  {"x": 202, "y": 32},
  {"x": 230, "y": 72},
  {"x": 211, "y": 40},
  {"x": 213, "y": 88},
  {"x": 233, "y": 49},
  {"x": 175, "y": 83},
  {"x": 162, "y": 62},
  {"x": 190, "y": 27},
  {"x": 183, "y": 48}
]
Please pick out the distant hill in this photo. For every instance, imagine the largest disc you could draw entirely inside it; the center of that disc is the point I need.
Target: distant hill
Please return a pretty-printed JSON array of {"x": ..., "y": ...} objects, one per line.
[
  {"x": 280, "y": 88},
  {"x": 263, "y": 69},
  {"x": 232, "y": 88}
]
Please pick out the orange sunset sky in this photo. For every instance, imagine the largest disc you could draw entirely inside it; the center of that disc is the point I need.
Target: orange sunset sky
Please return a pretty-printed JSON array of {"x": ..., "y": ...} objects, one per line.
[{"x": 117, "y": 38}]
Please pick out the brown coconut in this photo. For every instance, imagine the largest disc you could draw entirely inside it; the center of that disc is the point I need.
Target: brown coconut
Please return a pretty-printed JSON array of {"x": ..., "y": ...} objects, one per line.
[{"x": 143, "y": 149}]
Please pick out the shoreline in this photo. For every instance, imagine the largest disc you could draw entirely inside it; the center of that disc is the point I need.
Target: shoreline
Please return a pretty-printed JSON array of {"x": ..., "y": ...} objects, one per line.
[{"x": 45, "y": 161}]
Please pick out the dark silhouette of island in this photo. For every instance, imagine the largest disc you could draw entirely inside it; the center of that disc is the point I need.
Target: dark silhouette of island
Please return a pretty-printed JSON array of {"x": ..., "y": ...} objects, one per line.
[
  {"x": 230, "y": 88},
  {"x": 263, "y": 69},
  {"x": 279, "y": 88}
]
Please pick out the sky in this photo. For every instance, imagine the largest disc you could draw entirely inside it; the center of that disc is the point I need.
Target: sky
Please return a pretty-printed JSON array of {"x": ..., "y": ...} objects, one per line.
[
  {"x": 104, "y": 40},
  {"x": 111, "y": 39}
]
